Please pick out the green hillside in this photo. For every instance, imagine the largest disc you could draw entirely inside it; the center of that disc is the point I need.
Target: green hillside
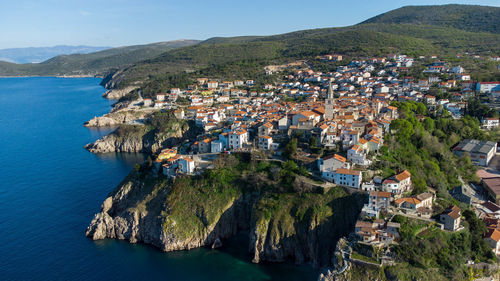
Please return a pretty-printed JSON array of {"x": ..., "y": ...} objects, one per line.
[
  {"x": 466, "y": 17},
  {"x": 424, "y": 30},
  {"x": 224, "y": 59},
  {"x": 96, "y": 63}
]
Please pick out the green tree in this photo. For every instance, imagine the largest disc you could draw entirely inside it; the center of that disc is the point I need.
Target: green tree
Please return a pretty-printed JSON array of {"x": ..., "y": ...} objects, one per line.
[{"x": 291, "y": 148}]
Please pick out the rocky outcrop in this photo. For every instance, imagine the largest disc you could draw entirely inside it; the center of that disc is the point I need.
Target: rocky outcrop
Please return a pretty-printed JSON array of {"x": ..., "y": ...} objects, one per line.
[
  {"x": 137, "y": 212},
  {"x": 116, "y": 118},
  {"x": 115, "y": 94},
  {"x": 112, "y": 143},
  {"x": 142, "y": 138},
  {"x": 130, "y": 212},
  {"x": 140, "y": 212},
  {"x": 136, "y": 140},
  {"x": 310, "y": 239}
]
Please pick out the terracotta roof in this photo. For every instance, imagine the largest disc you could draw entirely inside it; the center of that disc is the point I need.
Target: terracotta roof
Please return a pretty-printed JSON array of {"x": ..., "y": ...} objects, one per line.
[
  {"x": 424, "y": 196},
  {"x": 403, "y": 175},
  {"x": 453, "y": 212},
  {"x": 340, "y": 158},
  {"x": 493, "y": 234},
  {"x": 348, "y": 172},
  {"x": 363, "y": 224},
  {"x": 380, "y": 194},
  {"x": 410, "y": 200}
]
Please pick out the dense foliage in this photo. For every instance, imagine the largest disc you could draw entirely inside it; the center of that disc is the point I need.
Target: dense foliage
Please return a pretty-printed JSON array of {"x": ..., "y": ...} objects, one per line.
[
  {"x": 421, "y": 142},
  {"x": 196, "y": 202},
  {"x": 424, "y": 246},
  {"x": 470, "y": 18}
]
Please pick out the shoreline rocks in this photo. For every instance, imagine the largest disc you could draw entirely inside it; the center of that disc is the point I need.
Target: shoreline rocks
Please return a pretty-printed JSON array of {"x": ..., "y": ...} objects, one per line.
[
  {"x": 116, "y": 118},
  {"x": 115, "y": 94},
  {"x": 138, "y": 210}
]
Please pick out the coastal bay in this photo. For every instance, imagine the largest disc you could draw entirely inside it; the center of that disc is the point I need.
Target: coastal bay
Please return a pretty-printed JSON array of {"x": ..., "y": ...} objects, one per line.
[{"x": 50, "y": 187}]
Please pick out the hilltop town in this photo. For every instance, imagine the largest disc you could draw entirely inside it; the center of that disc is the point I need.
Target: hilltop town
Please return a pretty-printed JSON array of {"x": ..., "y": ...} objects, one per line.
[{"x": 336, "y": 129}]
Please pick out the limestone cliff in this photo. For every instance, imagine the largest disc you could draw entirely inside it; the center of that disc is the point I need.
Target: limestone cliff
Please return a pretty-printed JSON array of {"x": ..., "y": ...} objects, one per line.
[
  {"x": 139, "y": 210},
  {"x": 136, "y": 138},
  {"x": 303, "y": 228},
  {"x": 117, "y": 118},
  {"x": 193, "y": 212},
  {"x": 160, "y": 130},
  {"x": 115, "y": 94}
]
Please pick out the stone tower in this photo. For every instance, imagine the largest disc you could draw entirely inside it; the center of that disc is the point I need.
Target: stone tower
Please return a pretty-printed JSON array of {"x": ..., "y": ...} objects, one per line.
[{"x": 329, "y": 103}]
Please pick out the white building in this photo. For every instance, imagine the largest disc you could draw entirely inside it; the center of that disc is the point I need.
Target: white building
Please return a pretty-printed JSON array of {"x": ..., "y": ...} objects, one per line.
[
  {"x": 332, "y": 163},
  {"x": 344, "y": 177},
  {"x": 265, "y": 142},
  {"x": 217, "y": 146},
  {"x": 487, "y": 87},
  {"x": 186, "y": 165},
  {"x": 480, "y": 152},
  {"x": 490, "y": 123},
  {"x": 358, "y": 155},
  {"x": 237, "y": 138},
  {"x": 398, "y": 184}
]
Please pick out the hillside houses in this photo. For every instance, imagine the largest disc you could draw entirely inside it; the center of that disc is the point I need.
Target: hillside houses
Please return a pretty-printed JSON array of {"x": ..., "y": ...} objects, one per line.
[{"x": 398, "y": 184}]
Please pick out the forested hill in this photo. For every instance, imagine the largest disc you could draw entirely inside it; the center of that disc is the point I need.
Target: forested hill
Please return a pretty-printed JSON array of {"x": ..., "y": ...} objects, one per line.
[
  {"x": 470, "y": 18},
  {"x": 244, "y": 57},
  {"x": 96, "y": 63},
  {"x": 241, "y": 57}
]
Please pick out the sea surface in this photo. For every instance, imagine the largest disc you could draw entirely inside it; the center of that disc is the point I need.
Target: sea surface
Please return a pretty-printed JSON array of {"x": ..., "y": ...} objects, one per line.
[{"x": 51, "y": 187}]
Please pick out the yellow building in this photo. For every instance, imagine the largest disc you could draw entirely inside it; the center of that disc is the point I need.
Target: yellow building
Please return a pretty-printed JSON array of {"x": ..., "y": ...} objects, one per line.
[{"x": 167, "y": 154}]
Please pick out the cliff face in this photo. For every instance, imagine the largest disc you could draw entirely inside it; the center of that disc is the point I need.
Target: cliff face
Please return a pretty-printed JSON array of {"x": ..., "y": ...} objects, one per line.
[
  {"x": 182, "y": 216},
  {"x": 140, "y": 138},
  {"x": 135, "y": 141},
  {"x": 116, "y": 118},
  {"x": 303, "y": 228},
  {"x": 115, "y": 94},
  {"x": 140, "y": 211}
]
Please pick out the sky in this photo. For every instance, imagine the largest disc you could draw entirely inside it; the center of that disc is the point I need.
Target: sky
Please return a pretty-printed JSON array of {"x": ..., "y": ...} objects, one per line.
[{"x": 37, "y": 23}]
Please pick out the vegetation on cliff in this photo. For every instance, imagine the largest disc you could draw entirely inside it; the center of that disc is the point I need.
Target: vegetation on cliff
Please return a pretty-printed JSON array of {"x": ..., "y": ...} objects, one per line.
[
  {"x": 421, "y": 142},
  {"x": 241, "y": 194},
  {"x": 161, "y": 129},
  {"x": 425, "y": 246}
]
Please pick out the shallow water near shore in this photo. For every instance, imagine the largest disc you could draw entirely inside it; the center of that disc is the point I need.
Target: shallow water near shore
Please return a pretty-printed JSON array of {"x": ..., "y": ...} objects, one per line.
[{"x": 50, "y": 188}]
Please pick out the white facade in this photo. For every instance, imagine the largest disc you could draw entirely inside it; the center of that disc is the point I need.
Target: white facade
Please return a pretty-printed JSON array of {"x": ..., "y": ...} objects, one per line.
[
  {"x": 358, "y": 155},
  {"x": 490, "y": 123},
  {"x": 237, "y": 139},
  {"x": 488, "y": 87},
  {"x": 265, "y": 142},
  {"x": 186, "y": 165},
  {"x": 332, "y": 163},
  {"x": 217, "y": 146},
  {"x": 344, "y": 177}
]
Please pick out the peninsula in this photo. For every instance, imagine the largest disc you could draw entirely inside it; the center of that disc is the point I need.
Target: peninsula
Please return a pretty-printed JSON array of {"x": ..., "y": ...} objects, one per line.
[{"x": 367, "y": 151}]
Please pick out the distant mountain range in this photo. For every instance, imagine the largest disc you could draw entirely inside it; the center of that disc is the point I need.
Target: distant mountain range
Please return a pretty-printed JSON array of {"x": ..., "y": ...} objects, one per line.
[
  {"x": 39, "y": 54},
  {"x": 414, "y": 30},
  {"x": 96, "y": 63}
]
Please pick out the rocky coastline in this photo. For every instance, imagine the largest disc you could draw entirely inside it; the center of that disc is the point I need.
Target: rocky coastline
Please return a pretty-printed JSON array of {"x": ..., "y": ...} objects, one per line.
[
  {"x": 137, "y": 139},
  {"x": 117, "y": 118},
  {"x": 138, "y": 211},
  {"x": 116, "y": 94}
]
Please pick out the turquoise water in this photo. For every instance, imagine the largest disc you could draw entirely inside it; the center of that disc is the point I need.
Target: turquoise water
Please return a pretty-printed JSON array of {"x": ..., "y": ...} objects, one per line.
[{"x": 50, "y": 188}]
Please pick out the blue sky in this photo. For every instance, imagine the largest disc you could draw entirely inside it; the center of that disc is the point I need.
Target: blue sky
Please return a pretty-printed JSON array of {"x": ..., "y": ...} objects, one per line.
[{"x": 33, "y": 23}]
